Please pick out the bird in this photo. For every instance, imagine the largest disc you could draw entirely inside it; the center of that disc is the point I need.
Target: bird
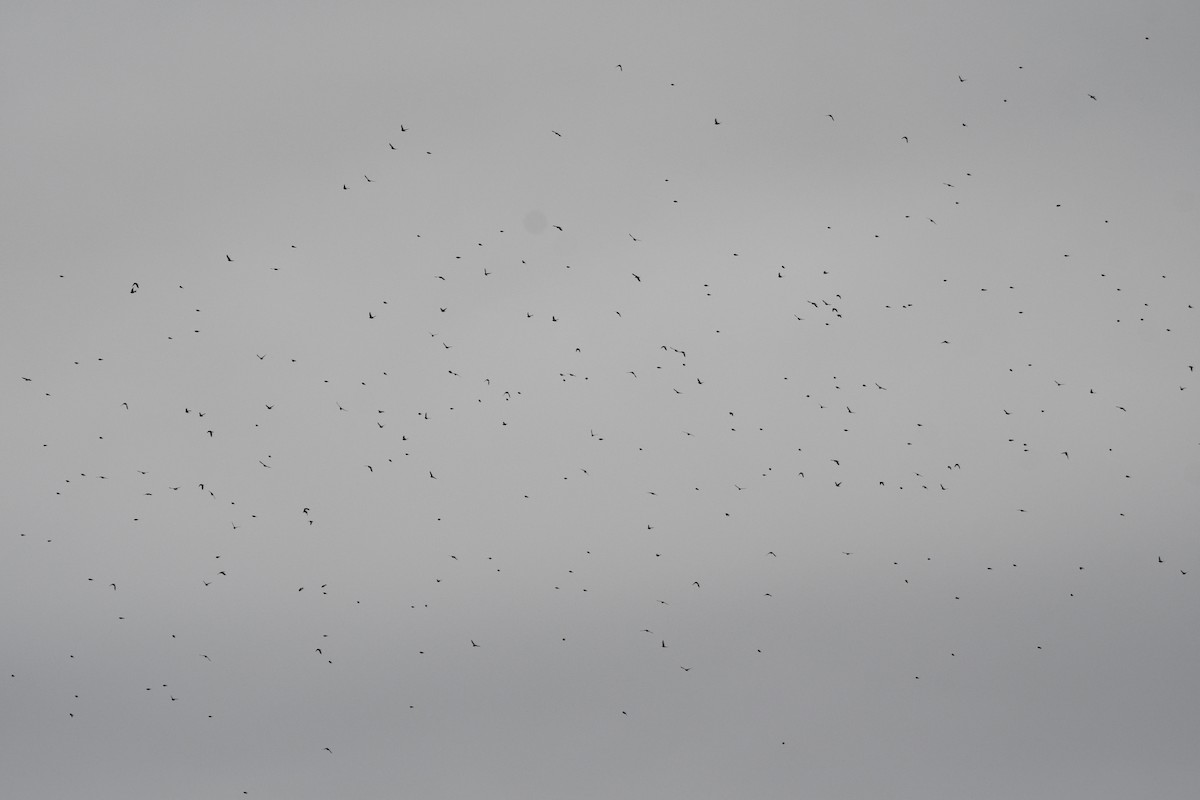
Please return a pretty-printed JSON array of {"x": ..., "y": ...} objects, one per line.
[
  {"x": 133, "y": 289},
  {"x": 473, "y": 643},
  {"x": 556, "y": 133},
  {"x": 635, "y": 275},
  {"x": 432, "y": 475},
  {"x": 716, "y": 121}
]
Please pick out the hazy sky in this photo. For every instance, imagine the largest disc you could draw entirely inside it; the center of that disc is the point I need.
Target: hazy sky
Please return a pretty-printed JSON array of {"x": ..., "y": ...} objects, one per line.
[{"x": 430, "y": 400}]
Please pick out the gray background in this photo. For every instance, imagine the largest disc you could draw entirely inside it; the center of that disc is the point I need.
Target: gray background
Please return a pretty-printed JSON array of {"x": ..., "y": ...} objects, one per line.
[{"x": 1019, "y": 276}]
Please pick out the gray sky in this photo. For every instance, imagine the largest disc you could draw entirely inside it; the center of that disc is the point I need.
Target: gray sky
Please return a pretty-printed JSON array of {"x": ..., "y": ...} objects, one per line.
[{"x": 448, "y": 330}]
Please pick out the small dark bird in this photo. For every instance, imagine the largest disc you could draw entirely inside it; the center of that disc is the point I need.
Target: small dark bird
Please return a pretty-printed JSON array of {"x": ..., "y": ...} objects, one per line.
[
  {"x": 634, "y": 274},
  {"x": 391, "y": 145},
  {"x": 716, "y": 121},
  {"x": 227, "y": 258},
  {"x": 831, "y": 117},
  {"x": 556, "y": 133},
  {"x": 133, "y": 289},
  {"x": 473, "y": 643},
  {"x": 403, "y": 129},
  {"x": 432, "y": 475},
  {"x": 1092, "y": 96}
]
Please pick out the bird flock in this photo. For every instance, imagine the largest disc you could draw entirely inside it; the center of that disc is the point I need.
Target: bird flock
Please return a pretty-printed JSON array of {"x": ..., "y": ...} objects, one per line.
[{"x": 682, "y": 441}]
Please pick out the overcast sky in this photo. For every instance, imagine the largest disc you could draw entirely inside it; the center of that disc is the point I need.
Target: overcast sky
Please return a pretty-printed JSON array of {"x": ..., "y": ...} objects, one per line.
[{"x": 600, "y": 400}]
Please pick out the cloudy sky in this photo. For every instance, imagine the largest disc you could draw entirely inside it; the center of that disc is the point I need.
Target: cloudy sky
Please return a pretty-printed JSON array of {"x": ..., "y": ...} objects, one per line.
[{"x": 594, "y": 400}]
